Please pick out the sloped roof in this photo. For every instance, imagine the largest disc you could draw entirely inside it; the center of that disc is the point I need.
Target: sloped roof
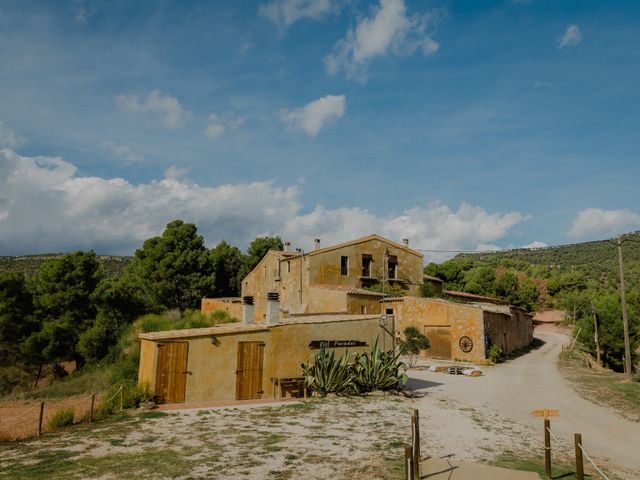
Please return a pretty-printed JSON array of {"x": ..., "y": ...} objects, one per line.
[{"x": 368, "y": 238}]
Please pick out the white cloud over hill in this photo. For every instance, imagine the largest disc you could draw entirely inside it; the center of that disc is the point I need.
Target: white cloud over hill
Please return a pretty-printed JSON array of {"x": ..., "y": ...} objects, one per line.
[{"x": 46, "y": 207}]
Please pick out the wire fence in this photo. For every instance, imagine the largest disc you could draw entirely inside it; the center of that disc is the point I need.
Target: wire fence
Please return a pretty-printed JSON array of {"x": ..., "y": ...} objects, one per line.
[
  {"x": 31, "y": 421},
  {"x": 579, "y": 456}
]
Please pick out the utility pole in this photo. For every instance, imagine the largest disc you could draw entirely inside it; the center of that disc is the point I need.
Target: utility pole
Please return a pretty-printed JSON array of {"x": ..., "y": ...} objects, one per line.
[
  {"x": 625, "y": 320},
  {"x": 595, "y": 332}
]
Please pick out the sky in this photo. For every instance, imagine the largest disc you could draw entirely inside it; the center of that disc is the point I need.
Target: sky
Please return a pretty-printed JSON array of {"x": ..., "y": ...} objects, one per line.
[{"x": 463, "y": 125}]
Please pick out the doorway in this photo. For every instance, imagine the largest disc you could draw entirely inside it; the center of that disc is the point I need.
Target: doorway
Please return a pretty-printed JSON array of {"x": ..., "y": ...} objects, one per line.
[
  {"x": 171, "y": 372},
  {"x": 249, "y": 370}
]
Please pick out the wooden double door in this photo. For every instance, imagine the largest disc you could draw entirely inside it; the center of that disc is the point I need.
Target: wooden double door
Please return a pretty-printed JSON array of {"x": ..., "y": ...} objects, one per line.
[
  {"x": 249, "y": 370},
  {"x": 171, "y": 372}
]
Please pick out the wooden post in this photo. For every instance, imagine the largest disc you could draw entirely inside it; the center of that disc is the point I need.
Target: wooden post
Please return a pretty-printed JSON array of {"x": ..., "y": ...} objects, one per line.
[
  {"x": 93, "y": 401},
  {"x": 579, "y": 462},
  {"x": 40, "y": 418},
  {"x": 408, "y": 463},
  {"x": 547, "y": 447},
  {"x": 121, "y": 397},
  {"x": 416, "y": 453}
]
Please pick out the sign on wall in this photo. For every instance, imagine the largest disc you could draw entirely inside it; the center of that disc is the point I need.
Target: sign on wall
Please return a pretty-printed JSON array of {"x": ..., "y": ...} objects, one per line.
[{"x": 336, "y": 343}]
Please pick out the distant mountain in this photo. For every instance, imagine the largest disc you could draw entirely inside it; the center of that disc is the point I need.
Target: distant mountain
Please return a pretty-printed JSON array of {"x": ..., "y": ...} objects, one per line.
[{"x": 29, "y": 265}]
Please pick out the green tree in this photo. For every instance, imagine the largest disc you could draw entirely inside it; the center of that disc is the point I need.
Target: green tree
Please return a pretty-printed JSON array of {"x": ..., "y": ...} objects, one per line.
[
  {"x": 412, "y": 343},
  {"x": 227, "y": 263},
  {"x": 16, "y": 316},
  {"x": 256, "y": 251},
  {"x": 480, "y": 280},
  {"x": 63, "y": 293},
  {"x": 173, "y": 270}
]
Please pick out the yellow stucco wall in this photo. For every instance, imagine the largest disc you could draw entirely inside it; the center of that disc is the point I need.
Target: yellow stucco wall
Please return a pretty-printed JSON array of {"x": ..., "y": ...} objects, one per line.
[
  {"x": 464, "y": 320},
  {"x": 213, "y": 367},
  {"x": 294, "y": 277}
]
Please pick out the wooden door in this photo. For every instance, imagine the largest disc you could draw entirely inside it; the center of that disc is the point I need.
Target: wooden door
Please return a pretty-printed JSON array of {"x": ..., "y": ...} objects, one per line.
[
  {"x": 171, "y": 372},
  {"x": 440, "y": 341},
  {"x": 249, "y": 371}
]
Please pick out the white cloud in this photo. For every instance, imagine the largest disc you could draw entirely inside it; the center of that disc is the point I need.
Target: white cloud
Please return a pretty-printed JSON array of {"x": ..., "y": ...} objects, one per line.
[
  {"x": 45, "y": 207},
  {"x": 314, "y": 115},
  {"x": 436, "y": 227},
  {"x": 571, "y": 37},
  {"x": 596, "y": 221},
  {"x": 218, "y": 125},
  {"x": 388, "y": 30},
  {"x": 535, "y": 244},
  {"x": 167, "y": 107},
  {"x": 122, "y": 152},
  {"x": 285, "y": 12},
  {"x": 8, "y": 138}
]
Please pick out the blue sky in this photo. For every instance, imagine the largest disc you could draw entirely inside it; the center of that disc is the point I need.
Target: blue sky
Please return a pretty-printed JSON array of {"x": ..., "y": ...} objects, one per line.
[{"x": 461, "y": 125}]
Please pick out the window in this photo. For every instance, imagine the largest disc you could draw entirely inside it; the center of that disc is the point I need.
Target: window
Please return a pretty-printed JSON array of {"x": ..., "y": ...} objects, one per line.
[
  {"x": 393, "y": 267},
  {"x": 344, "y": 266},
  {"x": 366, "y": 265},
  {"x": 288, "y": 267},
  {"x": 264, "y": 271}
]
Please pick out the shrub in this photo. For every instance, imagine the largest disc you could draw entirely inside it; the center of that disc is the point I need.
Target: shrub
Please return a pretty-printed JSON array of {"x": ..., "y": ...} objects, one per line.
[
  {"x": 328, "y": 375},
  {"x": 378, "y": 371},
  {"x": 133, "y": 394},
  {"x": 413, "y": 342},
  {"x": 62, "y": 418},
  {"x": 495, "y": 354}
]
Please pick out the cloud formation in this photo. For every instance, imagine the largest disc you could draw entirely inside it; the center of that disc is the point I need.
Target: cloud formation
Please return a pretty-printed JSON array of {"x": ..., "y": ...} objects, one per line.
[
  {"x": 8, "y": 138},
  {"x": 122, "y": 152},
  {"x": 46, "y": 207},
  {"x": 285, "y": 12},
  {"x": 388, "y": 30},
  {"x": 571, "y": 37},
  {"x": 168, "y": 108},
  {"x": 314, "y": 115},
  {"x": 596, "y": 221},
  {"x": 218, "y": 125}
]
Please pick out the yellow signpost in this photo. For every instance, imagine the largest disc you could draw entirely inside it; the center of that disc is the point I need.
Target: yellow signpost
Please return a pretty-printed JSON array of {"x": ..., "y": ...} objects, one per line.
[{"x": 546, "y": 413}]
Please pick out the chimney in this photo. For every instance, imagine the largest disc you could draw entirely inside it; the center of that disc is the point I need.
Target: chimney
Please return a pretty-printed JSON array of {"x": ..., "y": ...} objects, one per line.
[
  {"x": 287, "y": 246},
  {"x": 316, "y": 244},
  {"x": 405, "y": 242},
  {"x": 273, "y": 308},
  {"x": 247, "y": 310}
]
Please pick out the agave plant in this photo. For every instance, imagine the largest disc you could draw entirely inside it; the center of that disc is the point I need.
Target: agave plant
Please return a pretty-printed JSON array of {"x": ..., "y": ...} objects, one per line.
[
  {"x": 328, "y": 375},
  {"x": 378, "y": 370}
]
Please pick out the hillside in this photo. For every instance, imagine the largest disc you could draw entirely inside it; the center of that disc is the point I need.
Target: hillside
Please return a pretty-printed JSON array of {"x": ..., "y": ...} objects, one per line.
[
  {"x": 543, "y": 277},
  {"x": 29, "y": 265}
]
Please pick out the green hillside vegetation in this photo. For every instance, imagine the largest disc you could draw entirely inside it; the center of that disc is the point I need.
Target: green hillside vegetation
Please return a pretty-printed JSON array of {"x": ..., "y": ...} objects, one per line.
[
  {"x": 113, "y": 266},
  {"x": 568, "y": 277},
  {"x": 62, "y": 308}
]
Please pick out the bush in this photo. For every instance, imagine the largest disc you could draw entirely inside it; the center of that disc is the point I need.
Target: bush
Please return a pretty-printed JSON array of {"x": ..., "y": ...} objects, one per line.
[
  {"x": 413, "y": 342},
  {"x": 62, "y": 418},
  {"x": 133, "y": 394},
  {"x": 495, "y": 354},
  {"x": 378, "y": 370}
]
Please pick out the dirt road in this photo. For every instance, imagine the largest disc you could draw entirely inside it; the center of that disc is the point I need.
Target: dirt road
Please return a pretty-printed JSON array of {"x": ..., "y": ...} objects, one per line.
[{"x": 533, "y": 382}]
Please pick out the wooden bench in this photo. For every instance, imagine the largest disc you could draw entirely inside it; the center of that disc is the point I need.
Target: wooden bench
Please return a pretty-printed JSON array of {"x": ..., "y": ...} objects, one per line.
[{"x": 279, "y": 382}]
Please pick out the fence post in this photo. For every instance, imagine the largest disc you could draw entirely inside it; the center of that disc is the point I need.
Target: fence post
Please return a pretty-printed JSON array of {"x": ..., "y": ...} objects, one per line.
[
  {"x": 416, "y": 445},
  {"x": 547, "y": 447},
  {"x": 579, "y": 462},
  {"x": 93, "y": 401},
  {"x": 408, "y": 463},
  {"x": 121, "y": 397},
  {"x": 40, "y": 418}
]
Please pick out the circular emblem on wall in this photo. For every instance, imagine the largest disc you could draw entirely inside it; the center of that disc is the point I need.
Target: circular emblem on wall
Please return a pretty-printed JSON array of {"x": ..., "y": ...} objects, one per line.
[{"x": 466, "y": 344}]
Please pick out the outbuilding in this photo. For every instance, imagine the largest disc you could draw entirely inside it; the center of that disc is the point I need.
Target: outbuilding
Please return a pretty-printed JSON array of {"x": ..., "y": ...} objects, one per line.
[{"x": 244, "y": 361}]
